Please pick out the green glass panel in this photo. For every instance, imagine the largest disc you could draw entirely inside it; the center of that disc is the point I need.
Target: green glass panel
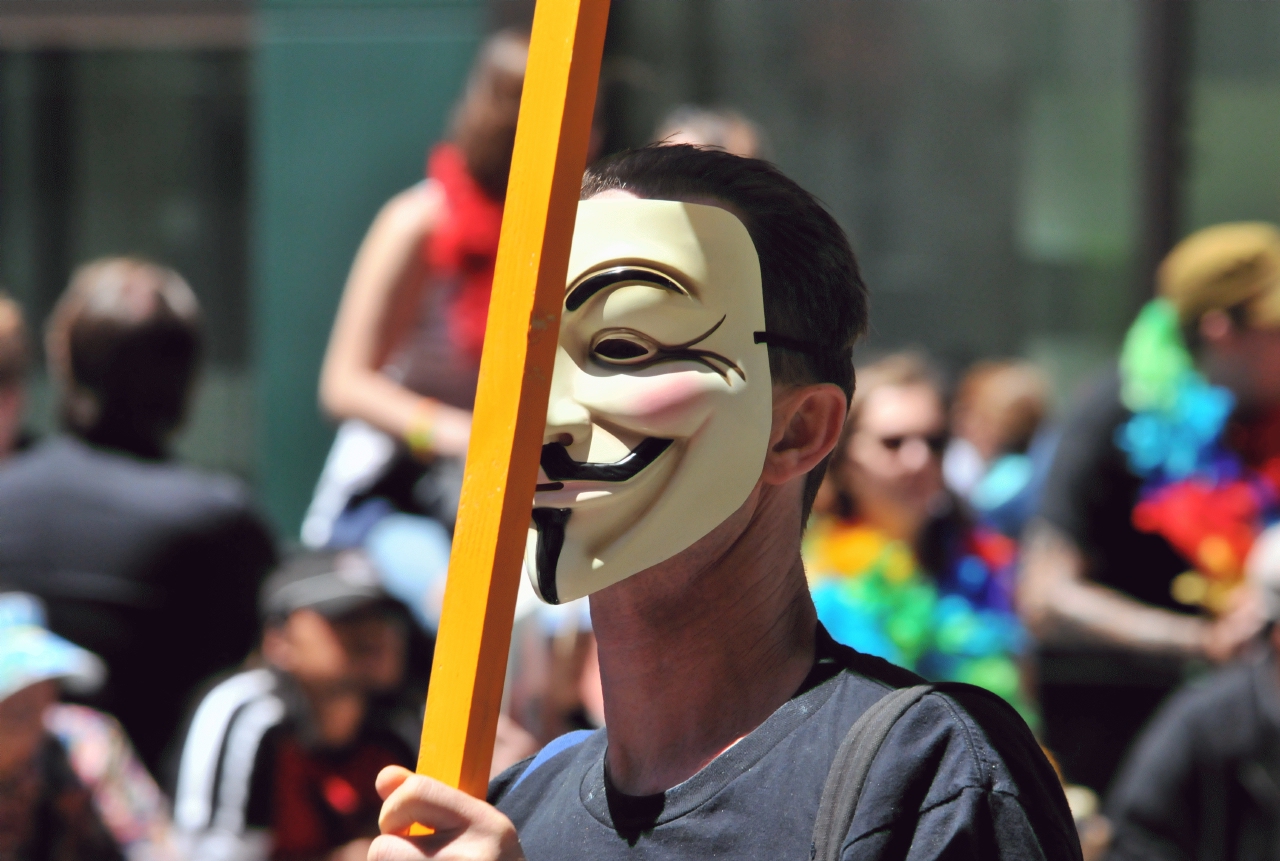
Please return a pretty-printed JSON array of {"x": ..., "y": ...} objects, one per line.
[{"x": 349, "y": 96}]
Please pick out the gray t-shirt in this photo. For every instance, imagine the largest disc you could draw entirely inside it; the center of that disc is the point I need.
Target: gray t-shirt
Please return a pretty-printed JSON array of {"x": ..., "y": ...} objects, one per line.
[{"x": 959, "y": 776}]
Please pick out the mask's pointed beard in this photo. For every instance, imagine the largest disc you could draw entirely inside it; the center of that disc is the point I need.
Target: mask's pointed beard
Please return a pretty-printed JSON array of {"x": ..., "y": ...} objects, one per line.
[{"x": 550, "y": 524}]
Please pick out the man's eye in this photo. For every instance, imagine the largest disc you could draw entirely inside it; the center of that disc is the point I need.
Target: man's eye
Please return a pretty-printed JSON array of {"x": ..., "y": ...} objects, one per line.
[{"x": 622, "y": 350}]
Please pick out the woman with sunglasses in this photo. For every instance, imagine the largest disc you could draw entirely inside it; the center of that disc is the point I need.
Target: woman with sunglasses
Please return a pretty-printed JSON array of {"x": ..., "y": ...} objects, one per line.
[{"x": 898, "y": 568}]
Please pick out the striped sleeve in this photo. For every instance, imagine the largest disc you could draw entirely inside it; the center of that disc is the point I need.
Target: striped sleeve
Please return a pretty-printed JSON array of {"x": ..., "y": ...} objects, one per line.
[{"x": 216, "y": 769}]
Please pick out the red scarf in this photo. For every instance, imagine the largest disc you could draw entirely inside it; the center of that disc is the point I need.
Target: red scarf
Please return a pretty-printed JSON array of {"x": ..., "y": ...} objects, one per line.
[{"x": 464, "y": 246}]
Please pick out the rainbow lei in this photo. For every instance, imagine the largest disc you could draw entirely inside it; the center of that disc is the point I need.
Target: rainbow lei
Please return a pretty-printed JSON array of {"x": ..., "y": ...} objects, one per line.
[
  {"x": 1197, "y": 493},
  {"x": 872, "y": 595}
]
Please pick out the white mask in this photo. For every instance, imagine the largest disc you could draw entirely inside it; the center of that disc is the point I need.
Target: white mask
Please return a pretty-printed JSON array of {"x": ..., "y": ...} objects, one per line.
[{"x": 661, "y": 387}]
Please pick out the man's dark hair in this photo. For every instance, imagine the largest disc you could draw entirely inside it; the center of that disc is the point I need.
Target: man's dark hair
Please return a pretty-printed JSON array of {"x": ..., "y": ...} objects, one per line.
[
  {"x": 813, "y": 291},
  {"x": 123, "y": 345}
]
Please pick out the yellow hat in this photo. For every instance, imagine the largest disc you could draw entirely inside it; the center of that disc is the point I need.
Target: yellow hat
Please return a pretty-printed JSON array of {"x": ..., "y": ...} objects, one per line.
[{"x": 1223, "y": 266}]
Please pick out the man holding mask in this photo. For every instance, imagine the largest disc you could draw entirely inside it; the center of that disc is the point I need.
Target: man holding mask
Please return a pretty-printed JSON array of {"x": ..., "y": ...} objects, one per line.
[{"x": 702, "y": 380}]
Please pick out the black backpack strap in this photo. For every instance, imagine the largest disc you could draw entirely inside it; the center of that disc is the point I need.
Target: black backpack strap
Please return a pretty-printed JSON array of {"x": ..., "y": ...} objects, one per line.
[{"x": 850, "y": 767}]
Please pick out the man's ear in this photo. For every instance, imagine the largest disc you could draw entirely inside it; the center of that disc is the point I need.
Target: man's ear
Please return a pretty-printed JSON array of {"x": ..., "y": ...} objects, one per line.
[{"x": 806, "y": 426}]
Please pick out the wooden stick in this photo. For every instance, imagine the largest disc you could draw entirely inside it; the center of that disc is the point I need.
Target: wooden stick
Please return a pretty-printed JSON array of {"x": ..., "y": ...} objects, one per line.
[{"x": 511, "y": 401}]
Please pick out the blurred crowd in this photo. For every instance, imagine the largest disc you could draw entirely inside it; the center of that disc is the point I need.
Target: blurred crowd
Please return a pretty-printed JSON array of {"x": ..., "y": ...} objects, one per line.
[{"x": 176, "y": 683}]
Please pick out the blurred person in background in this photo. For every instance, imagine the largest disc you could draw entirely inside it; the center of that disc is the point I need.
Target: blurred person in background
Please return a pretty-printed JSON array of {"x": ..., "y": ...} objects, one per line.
[
  {"x": 71, "y": 787},
  {"x": 401, "y": 371},
  {"x": 15, "y": 356},
  {"x": 279, "y": 761},
  {"x": 1000, "y": 449},
  {"x": 1163, "y": 478},
  {"x": 151, "y": 565},
  {"x": 720, "y": 128},
  {"x": 1203, "y": 779},
  {"x": 897, "y": 567},
  {"x": 553, "y": 677},
  {"x": 404, "y": 355}
]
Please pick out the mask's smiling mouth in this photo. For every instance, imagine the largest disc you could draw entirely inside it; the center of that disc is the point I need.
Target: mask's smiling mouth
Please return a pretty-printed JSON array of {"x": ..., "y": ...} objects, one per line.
[
  {"x": 550, "y": 522},
  {"x": 560, "y": 468}
]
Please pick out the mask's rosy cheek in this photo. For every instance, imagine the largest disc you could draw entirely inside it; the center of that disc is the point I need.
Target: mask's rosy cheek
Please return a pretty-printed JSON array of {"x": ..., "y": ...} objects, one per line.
[{"x": 666, "y": 404}]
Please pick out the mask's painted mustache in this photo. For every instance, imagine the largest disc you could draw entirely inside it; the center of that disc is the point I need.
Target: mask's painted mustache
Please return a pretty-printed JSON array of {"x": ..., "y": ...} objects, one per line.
[
  {"x": 550, "y": 522},
  {"x": 558, "y": 466}
]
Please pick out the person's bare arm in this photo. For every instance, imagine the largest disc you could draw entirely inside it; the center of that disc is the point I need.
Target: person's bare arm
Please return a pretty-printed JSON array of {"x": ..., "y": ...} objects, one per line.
[
  {"x": 382, "y": 293},
  {"x": 1059, "y": 604}
]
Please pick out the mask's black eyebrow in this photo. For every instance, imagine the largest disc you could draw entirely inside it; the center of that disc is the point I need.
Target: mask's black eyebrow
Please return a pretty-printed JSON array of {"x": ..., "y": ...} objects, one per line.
[{"x": 593, "y": 284}]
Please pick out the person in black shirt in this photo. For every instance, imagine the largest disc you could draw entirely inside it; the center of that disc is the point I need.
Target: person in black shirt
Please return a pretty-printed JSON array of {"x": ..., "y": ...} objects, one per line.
[
  {"x": 152, "y": 565},
  {"x": 1203, "y": 779},
  {"x": 724, "y": 700},
  {"x": 1097, "y": 591}
]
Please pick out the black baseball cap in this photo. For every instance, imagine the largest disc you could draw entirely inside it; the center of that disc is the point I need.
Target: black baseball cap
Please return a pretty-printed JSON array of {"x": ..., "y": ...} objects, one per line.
[{"x": 331, "y": 582}]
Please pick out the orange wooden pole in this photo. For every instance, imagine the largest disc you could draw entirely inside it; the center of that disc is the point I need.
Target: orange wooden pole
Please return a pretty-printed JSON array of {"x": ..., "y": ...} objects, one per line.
[{"x": 565, "y": 48}]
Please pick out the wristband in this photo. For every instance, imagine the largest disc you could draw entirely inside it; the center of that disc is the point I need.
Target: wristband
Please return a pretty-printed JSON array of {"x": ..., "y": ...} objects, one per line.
[{"x": 420, "y": 436}]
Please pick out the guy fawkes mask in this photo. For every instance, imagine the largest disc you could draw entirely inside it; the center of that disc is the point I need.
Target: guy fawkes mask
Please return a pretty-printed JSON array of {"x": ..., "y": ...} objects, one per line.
[{"x": 661, "y": 400}]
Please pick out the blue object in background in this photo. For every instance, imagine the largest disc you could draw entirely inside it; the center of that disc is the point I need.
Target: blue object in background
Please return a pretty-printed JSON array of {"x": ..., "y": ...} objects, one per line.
[
  {"x": 412, "y": 555},
  {"x": 1008, "y": 495}
]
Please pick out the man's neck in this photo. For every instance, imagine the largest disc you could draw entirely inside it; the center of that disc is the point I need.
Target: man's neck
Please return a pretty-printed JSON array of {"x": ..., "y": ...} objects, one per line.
[{"x": 698, "y": 652}]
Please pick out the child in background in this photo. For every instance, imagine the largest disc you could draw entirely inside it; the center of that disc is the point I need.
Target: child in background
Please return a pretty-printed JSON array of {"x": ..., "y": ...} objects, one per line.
[
  {"x": 71, "y": 787},
  {"x": 279, "y": 761}
]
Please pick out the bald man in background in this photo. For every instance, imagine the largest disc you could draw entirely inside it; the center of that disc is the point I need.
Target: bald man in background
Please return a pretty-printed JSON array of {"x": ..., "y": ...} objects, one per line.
[{"x": 15, "y": 358}]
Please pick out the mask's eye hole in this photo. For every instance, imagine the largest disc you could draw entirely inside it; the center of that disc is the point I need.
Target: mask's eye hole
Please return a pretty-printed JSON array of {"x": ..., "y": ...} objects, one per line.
[{"x": 622, "y": 348}]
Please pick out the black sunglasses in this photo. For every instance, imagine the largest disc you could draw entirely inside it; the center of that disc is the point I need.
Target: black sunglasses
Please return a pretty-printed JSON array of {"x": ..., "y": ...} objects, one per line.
[{"x": 937, "y": 443}]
